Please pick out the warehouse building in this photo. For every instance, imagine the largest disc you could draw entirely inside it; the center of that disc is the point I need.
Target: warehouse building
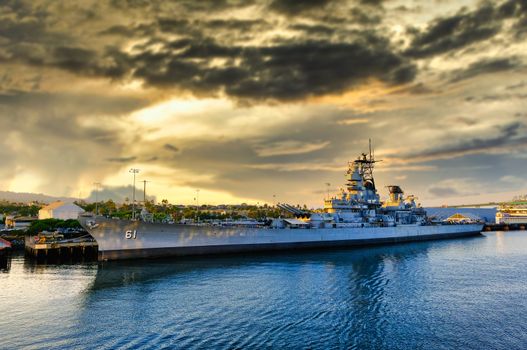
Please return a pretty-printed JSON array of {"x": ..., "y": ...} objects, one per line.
[{"x": 60, "y": 210}]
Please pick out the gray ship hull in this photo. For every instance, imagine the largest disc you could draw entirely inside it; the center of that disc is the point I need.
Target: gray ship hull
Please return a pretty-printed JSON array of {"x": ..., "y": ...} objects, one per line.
[{"x": 123, "y": 239}]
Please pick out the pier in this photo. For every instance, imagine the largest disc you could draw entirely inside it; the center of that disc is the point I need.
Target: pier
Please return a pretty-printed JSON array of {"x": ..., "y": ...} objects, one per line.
[
  {"x": 5, "y": 249},
  {"x": 504, "y": 227},
  {"x": 60, "y": 250}
]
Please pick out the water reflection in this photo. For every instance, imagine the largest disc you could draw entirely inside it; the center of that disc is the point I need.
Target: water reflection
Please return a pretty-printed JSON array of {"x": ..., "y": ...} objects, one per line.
[
  {"x": 363, "y": 263},
  {"x": 32, "y": 265},
  {"x": 219, "y": 300},
  {"x": 5, "y": 262},
  {"x": 500, "y": 242}
]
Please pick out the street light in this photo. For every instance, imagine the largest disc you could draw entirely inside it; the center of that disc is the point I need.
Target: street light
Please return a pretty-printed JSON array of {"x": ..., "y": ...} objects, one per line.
[
  {"x": 133, "y": 171},
  {"x": 274, "y": 205},
  {"x": 197, "y": 206},
  {"x": 97, "y": 185},
  {"x": 144, "y": 191}
]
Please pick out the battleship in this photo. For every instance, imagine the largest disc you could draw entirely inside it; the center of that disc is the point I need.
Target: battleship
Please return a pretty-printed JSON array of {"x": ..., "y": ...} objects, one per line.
[{"x": 355, "y": 216}]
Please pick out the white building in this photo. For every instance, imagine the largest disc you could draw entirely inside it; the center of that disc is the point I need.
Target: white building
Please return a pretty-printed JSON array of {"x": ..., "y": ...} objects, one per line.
[{"x": 60, "y": 210}]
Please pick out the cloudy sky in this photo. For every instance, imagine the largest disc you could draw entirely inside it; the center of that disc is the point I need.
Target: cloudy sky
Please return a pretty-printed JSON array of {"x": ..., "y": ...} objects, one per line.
[{"x": 249, "y": 99}]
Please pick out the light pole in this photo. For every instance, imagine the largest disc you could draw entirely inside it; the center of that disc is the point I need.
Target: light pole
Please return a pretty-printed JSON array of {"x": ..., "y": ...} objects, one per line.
[
  {"x": 328, "y": 184},
  {"x": 197, "y": 206},
  {"x": 97, "y": 185},
  {"x": 133, "y": 171},
  {"x": 144, "y": 191},
  {"x": 274, "y": 204}
]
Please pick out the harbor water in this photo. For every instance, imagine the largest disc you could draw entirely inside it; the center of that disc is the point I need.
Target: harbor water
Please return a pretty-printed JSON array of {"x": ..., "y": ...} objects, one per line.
[{"x": 464, "y": 293}]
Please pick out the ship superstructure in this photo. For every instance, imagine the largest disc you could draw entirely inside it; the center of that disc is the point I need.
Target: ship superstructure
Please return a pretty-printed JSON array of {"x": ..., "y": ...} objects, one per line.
[
  {"x": 354, "y": 217},
  {"x": 359, "y": 203}
]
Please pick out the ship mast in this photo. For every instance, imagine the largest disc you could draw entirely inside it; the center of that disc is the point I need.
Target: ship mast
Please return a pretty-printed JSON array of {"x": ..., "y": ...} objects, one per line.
[{"x": 366, "y": 163}]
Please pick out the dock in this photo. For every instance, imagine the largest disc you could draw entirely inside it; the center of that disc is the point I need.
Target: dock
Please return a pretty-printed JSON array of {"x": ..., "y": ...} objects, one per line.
[
  {"x": 5, "y": 249},
  {"x": 60, "y": 249},
  {"x": 504, "y": 227}
]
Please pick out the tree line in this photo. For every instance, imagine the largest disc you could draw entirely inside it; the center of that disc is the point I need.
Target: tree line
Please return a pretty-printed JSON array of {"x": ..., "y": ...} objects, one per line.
[{"x": 163, "y": 211}]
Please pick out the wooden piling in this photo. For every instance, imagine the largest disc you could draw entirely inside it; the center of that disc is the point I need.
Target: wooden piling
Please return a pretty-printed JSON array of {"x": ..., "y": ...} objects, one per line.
[{"x": 58, "y": 250}]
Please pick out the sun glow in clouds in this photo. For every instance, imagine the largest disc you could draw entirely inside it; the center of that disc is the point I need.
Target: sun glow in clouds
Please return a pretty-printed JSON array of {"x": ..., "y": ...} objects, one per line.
[
  {"x": 290, "y": 147},
  {"x": 25, "y": 181},
  {"x": 174, "y": 108},
  {"x": 193, "y": 118},
  {"x": 172, "y": 184},
  {"x": 353, "y": 121}
]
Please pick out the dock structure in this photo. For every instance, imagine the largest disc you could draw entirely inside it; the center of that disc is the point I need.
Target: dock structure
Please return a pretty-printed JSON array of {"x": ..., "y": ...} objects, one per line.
[
  {"x": 68, "y": 249},
  {"x": 5, "y": 261},
  {"x": 504, "y": 227}
]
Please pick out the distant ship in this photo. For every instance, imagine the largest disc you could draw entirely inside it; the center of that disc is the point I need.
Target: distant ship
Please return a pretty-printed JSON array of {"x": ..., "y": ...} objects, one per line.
[
  {"x": 354, "y": 217},
  {"x": 514, "y": 212}
]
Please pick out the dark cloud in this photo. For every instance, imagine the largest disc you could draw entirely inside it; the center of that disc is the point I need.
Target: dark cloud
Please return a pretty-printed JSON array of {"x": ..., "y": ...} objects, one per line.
[
  {"x": 217, "y": 6},
  {"x": 447, "y": 34},
  {"x": 141, "y": 30},
  {"x": 466, "y": 121},
  {"x": 509, "y": 8},
  {"x": 521, "y": 28},
  {"x": 326, "y": 57},
  {"x": 173, "y": 25},
  {"x": 372, "y": 2},
  {"x": 441, "y": 191},
  {"x": 293, "y": 7},
  {"x": 121, "y": 159},
  {"x": 508, "y": 135},
  {"x": 315, "y": 68},
  {"x": 495, "y": 97},
  {"x": 74, "y": 59},
  {"x": 119, "y": 194},
  {"x": 519, "y": 85},
  {"x": 516, "y": 9},
  {"x": 121, "y": 30},
  {"x": 26, "y": 24},
  {"x": 361, "y": 16},
  {"x": 415, "y": 89},
  {"x": 485, "y": 66},
  {"x": 233, "y": 24},
  {"x": 285, "y": 71},
  {"x": 407, "y": 9},
  {"x": 170, "y": 147},
  {"x": 451, "y": 33},
  {"x": 91, "y": 102},
  {"x": 319, "y": 29}
]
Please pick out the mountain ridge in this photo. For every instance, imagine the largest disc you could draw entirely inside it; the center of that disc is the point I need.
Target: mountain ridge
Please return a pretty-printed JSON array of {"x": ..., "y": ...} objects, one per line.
[{"x": 26, "y": 197}]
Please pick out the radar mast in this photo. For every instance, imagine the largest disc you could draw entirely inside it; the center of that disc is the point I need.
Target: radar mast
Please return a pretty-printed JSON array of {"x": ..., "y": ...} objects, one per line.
[{"x": 366, "y": 162}]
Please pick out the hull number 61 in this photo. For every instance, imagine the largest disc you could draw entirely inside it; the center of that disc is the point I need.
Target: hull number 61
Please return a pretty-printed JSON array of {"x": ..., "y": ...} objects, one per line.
[{"x": 129, "y": 234}]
